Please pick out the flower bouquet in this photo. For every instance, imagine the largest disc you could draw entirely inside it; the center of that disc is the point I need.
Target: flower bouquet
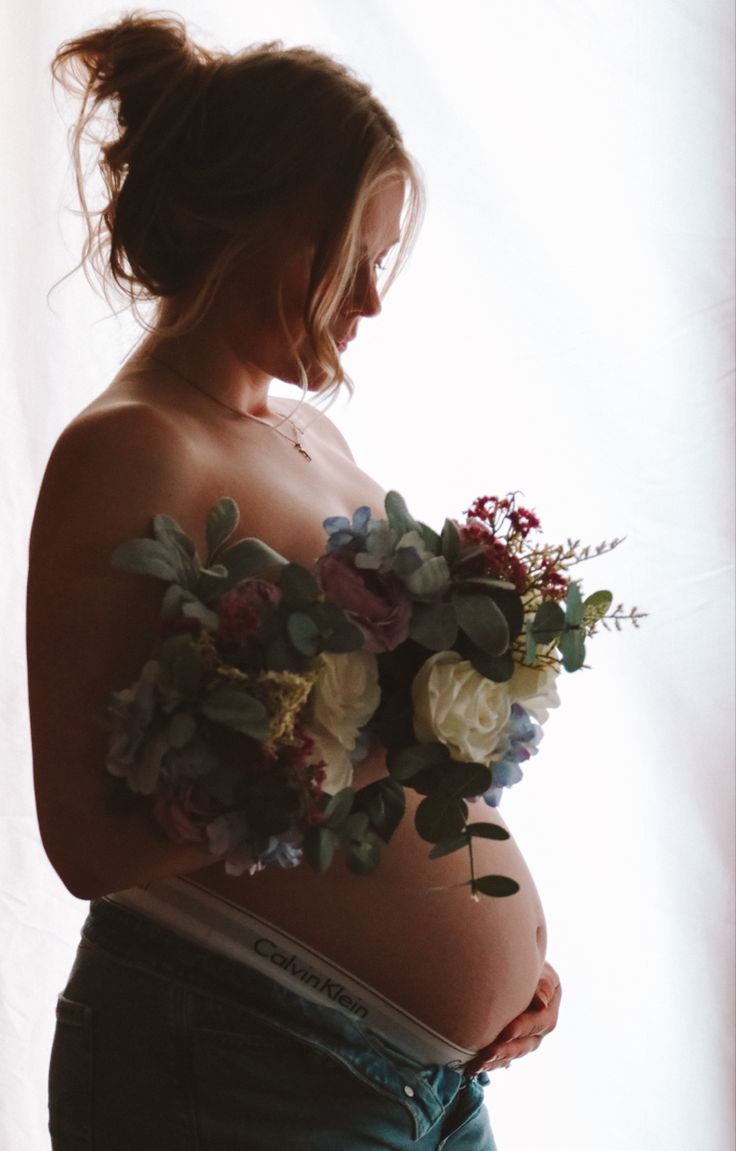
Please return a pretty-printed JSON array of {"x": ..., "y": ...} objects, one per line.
[{"x": 268, "y": 682}]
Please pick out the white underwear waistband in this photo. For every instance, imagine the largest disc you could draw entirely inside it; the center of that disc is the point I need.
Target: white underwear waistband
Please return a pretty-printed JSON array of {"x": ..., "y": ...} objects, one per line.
[{"x": 213, "y": 922}]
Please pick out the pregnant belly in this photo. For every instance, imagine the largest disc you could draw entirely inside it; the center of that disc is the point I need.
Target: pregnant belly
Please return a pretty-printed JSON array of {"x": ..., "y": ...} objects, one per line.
[{"x": 411, "y": 930}]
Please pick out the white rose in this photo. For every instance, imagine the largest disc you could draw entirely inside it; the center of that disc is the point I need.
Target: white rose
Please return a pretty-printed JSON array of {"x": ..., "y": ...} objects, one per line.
[
  {"x": 338, "y": 767},
  {"x": 346, "y": 694},
  {"x": 535, "y": 688},
  {"x": 455, "y": 704}
]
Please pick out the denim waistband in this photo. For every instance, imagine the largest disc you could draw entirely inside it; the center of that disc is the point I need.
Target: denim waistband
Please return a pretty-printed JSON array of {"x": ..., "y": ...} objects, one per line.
[{"x": 425, "y": 1091}]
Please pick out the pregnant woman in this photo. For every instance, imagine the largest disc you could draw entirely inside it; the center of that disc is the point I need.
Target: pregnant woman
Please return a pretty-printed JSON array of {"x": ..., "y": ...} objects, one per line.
[{"x": 254, "y": 201}]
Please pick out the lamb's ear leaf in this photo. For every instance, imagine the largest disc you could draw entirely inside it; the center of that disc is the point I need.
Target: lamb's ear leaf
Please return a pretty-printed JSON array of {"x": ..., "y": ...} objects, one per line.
[
  {"x": 248, "y": 558},
  {"x": 398, "y": 515},
  {"x": 222, "y": 520},
  {"x": 145, "y": 557}
]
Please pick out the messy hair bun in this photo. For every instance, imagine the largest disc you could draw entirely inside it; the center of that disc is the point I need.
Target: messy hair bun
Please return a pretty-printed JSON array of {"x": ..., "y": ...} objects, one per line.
[{"x": 206, "y": 151}]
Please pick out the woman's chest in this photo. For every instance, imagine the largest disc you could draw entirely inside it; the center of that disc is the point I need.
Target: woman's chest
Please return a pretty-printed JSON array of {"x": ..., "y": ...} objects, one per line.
[{"x": 283, "y": 497}]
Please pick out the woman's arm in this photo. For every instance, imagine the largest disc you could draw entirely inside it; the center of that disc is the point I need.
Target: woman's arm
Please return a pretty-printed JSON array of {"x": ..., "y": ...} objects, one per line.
[{"x": 89, "y": 630}]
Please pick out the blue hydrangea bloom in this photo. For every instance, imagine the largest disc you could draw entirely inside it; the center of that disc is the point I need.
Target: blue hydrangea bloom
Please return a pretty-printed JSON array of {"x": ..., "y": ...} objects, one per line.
[
  {"x": 520, "y": 738},
  {"x": 342, "y": 531},
  {"x": 282, "y": 851}
]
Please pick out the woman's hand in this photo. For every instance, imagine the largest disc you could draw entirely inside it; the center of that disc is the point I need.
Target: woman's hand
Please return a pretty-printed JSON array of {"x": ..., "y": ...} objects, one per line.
[{"x": 526, "y": 1032}]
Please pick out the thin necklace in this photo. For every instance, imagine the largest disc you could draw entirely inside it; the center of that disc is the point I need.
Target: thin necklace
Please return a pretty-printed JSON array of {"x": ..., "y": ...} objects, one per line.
[{"x": 295, "y": 441}]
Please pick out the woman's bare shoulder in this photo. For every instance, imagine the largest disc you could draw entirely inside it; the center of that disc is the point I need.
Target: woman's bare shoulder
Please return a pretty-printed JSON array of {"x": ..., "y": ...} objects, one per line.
[{"x": 113, "y": 466}]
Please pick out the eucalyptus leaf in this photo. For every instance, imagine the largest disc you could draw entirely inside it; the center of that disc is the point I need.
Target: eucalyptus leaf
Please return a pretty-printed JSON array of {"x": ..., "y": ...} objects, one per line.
[
  {"x": 595, "y": 607},
  {"x": 450, "y": 541},
  {"x": 574, "y": 606},
  {"x": 303, "y": 633},
  {"x": 483, "y": 584},
  {"x": 448, "y": 846},
  {"x": 145, "y": 557},
  {"x": 233, "y": 707},
  {"x": 345, "y": 637},
  {"x": 434, "y": 625},
  {"x": 530, "y": 650},
  {"x": 363, "y": 856},
  {"x": 298, "y": 586},
  {"x": 357, "y": 825},
  {"x": 498, "y": 668},
  {"x": 496, "y": 885},
  {"x": 548, "y": 622},
  {"x": 337, "y": 631},
  {"x": 572, "y": 648},
  {"x": 405, "y": 762},
  {"x": 222, "y": 520},
  {"x": 319, "y": 848},
  {"x": 466, "y": 779},
  {"x": 483, "y": 622},
  {"x": 440, "y": 817},
  {"x": 338, "y": 808},
  {"x": 384, "y": 802},
  {"x": 487, "y": 831},
  {"x": 281, "y": 656}
]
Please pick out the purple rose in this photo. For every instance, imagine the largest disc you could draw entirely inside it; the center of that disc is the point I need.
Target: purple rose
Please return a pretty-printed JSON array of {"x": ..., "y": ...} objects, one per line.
[{"x": 376, "y": 602}]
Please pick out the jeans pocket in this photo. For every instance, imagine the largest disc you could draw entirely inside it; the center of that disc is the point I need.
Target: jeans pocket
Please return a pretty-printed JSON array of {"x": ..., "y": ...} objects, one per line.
[{"x": 70, "y": 1078}]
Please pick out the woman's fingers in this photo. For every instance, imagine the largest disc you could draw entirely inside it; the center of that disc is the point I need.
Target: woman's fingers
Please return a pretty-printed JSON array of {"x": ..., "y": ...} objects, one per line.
[{"x": 524, "y": 1034}]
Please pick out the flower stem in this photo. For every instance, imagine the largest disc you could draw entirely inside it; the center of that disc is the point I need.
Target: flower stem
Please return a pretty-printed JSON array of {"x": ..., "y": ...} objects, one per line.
[{"x": 475, "y": 894}]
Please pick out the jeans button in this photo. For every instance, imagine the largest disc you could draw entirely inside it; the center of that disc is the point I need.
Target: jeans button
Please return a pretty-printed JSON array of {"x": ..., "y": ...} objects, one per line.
[{"x": 409, "y": 1091}]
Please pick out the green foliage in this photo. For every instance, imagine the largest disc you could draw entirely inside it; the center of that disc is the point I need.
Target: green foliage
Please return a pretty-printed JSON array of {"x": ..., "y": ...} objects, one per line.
[
  {"x": 222, "y": 520},
  {"x": 146, "y": 557},
  {"x": 434, "y": 625},
  {"x": 499, "y": 886},
  {"x": 303, "y": 633},
  {"x": 440, "y": 817},
  {"x": 450, "y": 542},
  {"x": 595, "y": 607},
  {"x": 482, "y": 621},
  {"x": 235, "y": 708},
  {"x": 398, "y": 515},
  {"x": 298, "y": 586}
]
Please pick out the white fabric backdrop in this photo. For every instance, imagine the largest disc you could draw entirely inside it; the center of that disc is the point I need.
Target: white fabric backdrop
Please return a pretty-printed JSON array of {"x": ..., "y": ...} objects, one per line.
[{"x": 563, "y": 329}]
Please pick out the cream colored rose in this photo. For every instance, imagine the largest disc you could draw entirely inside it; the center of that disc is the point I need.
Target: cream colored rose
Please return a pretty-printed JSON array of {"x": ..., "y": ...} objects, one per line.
[
  {"x": 338, "y": 767},
  {"x": 535, "y": 688},
  {"x": 455, "y": 704},
  {"x": 346, "y": 694}
]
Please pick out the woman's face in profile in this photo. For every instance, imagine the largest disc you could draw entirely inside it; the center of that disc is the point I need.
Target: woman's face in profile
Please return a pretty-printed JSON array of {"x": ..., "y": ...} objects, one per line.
[{"x": 268, "y": 296}]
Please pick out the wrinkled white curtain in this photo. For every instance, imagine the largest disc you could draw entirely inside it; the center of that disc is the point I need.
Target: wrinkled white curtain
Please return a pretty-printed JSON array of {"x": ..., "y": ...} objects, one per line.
[{"x": 563, "y": 329}]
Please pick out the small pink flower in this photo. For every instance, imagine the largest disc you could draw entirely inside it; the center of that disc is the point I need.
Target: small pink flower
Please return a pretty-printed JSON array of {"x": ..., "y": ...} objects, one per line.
[
  {"x": 377, "y": 603},
  {"x": 241, "y": 610}
]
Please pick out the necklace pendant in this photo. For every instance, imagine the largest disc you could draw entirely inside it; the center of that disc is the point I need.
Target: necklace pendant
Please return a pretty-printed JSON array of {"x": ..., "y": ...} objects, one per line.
[{"x": 302, "y": 451}]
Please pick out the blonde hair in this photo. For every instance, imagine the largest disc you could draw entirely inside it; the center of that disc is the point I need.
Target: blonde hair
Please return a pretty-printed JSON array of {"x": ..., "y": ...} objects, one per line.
[{"x": 207, "y": 153}]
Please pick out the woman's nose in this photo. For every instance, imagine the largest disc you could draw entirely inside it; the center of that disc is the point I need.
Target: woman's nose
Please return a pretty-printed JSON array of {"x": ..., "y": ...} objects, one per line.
[{"x": 365, "y": 300}]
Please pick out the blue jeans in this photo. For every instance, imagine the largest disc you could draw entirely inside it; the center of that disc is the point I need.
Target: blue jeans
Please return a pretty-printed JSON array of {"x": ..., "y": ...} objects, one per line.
[{"x": 162, "y": 1045}]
